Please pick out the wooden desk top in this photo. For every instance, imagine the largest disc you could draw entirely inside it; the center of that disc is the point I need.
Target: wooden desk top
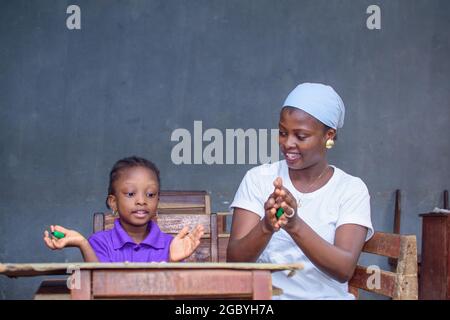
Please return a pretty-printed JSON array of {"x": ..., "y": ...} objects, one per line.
[{"x": 39, "y": 269}]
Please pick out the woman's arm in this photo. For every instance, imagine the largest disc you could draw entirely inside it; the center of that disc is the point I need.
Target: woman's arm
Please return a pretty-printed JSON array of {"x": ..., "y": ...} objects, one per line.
[
  {"x": 249, "y": 236},
  {"x": 337, "y": 260}
]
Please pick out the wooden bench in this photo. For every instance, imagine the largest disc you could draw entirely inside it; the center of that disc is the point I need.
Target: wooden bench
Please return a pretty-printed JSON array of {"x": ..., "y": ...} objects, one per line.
[{"x": 399, "y": 284}]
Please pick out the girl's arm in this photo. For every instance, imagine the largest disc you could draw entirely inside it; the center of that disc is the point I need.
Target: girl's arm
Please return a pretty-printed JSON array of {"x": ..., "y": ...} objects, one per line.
[
  {"x": 87, "y": 252},
  {"x": 71, "y": 239}
]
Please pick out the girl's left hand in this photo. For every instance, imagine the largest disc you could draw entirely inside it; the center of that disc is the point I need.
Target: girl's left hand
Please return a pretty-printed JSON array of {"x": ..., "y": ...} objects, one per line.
[{"x": 185, "y": 243}]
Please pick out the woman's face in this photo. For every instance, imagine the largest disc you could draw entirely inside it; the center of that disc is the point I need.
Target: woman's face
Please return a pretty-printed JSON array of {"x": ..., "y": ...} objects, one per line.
[
  {"x": 136, "y": 194},
  {"x": 302, "y": 138}
]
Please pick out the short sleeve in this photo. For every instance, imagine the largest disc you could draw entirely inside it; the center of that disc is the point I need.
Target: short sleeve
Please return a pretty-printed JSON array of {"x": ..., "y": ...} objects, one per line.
[
  {"x": 355, "y": 208},
  {"x": 249, "y": 195},
  {"x": 100, "y": 248}
]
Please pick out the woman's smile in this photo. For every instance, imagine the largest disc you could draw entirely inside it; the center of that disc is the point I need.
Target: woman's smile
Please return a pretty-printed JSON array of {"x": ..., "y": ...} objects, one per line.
[{"x": 292, "y": 157}]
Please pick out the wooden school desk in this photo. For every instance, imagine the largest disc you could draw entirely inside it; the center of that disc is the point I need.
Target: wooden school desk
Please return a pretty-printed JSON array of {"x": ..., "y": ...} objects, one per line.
[{"x": 160, "y": 280}]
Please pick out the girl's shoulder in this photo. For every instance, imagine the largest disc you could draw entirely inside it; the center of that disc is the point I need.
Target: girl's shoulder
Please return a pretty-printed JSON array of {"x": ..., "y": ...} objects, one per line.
[{"x": 101, "y": 236}]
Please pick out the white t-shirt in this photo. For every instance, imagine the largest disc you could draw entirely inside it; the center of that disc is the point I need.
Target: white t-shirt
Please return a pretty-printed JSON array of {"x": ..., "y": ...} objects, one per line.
[{"x": 343, "y": 200}]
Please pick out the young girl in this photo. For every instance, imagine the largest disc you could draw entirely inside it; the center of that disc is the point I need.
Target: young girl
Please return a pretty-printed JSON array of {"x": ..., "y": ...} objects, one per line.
[{"x": 133, "y": 195}]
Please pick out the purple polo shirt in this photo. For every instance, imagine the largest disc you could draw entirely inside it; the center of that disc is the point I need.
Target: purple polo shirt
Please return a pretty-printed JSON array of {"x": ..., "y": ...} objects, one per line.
[{"x": 116, "y": 245}]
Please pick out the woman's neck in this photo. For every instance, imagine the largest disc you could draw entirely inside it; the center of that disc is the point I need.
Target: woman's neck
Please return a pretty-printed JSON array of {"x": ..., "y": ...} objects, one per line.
[
  {"x": 137, "y": 233},
  {"x": 313, "y": 177}
]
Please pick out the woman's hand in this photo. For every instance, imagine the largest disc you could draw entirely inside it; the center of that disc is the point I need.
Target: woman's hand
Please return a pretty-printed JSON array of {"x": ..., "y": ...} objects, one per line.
[
  {"x": 185, "y": 243},
  {"x": 285, "y": 200},
  {"x": 71, "y": 238}
]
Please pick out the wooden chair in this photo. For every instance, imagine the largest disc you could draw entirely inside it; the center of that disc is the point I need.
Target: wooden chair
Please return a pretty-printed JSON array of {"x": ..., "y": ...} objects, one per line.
[
  {"x": 177, "y": 209},
  {"x": 399, "y": 285}
]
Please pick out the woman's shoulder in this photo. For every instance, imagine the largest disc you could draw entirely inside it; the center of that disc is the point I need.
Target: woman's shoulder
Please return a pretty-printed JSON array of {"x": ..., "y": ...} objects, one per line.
[{"x": 348, "y": 181}]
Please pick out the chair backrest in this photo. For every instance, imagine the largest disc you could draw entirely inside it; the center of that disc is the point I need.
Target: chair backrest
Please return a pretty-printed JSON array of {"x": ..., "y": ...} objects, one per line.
[
  {"x": 223, "y": 235},
  {"x": 399, "y": 285},
  {"x": 177, "y": 209}
]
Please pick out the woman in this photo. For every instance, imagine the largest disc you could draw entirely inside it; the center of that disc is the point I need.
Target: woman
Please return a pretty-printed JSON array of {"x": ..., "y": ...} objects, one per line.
[{"x": 325, "y": 212}]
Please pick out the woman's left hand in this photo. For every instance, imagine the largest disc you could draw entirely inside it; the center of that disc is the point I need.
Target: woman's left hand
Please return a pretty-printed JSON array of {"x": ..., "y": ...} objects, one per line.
[
  {"x": 288, "y": 202},
  {"x": 185, "y": 243}
]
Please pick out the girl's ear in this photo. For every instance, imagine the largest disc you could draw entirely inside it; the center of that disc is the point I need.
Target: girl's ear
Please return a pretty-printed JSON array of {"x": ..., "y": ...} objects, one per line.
[{"x": 112, "y": 202}]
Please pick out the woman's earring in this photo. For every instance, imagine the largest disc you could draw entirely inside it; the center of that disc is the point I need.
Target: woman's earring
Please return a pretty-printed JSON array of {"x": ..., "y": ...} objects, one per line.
[
  {"x": 329, "y": 144},
  {"x": 115, "y": 213}
]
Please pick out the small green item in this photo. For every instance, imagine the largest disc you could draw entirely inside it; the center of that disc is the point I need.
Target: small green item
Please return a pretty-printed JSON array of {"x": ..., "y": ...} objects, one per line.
[
  {"x": 58, "y": 234},
  {"x": 279, "y": 213}
]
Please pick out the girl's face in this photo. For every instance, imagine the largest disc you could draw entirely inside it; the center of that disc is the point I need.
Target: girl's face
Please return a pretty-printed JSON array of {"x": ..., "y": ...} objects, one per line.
[
  {"x": 136, "y": 194},
  {"x": 302, "y": 138}
]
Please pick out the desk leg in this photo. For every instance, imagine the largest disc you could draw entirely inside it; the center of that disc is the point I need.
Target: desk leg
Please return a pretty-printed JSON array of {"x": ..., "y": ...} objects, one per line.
[
  {"x": 262, "y": 285},
  {"x": 84, "y": 292}
]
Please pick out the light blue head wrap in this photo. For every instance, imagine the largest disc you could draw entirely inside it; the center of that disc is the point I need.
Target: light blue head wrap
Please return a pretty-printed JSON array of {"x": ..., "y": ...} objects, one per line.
[{"x": 320, "y": 101}]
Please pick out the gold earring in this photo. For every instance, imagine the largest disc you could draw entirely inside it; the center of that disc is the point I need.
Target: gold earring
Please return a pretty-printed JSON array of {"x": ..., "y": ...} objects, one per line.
[
  {"x": 329, "y": 144},
  {"x": 115, "y": 213}
]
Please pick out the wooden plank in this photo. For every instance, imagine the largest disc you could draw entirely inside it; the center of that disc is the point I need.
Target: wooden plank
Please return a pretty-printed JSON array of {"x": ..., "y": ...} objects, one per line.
[
  {"x": 384, "y": 244},
  {"x": 183, "y": 197},
  {"x": 222, "y": 246},
  {"x": 174, "y": 205},
  {"x": 262, "y": 285},
  {"x": 387, "y": 281},
  {"x": 38, "y": 269},
  {"x": 84, "y": 292},
  {"x": 53, "y": 289},
  {"x": 99, "y": 222},
  {"x": 179, "y": 283},
  {"x": 407, "y": 284},
  {"x": 187, "y": 210},
  {"x": 354, "y": 291},
  {"x": 207, "y": 204},
  {"x": 222, "y": 221},
  {"x": 172, "y": 223},
  {"x": 214, "y": 241},
  {"x": 433, "y": 277}
]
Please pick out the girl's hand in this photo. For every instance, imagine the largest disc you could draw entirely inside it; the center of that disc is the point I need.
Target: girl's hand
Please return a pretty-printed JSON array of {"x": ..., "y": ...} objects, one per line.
[
  {"x": 185, "y": 243},
  {"x": 71, "y": 239}
]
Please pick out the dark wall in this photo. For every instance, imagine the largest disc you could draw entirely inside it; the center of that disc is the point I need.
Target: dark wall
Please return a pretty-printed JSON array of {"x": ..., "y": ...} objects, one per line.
[{"x": 72, "y": 102}]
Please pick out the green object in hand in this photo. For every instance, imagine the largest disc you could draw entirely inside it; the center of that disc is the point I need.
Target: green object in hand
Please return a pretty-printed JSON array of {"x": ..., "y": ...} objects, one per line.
[
  {"x": 58, "y": 234},
  {"x": 279, "y": 213}
]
